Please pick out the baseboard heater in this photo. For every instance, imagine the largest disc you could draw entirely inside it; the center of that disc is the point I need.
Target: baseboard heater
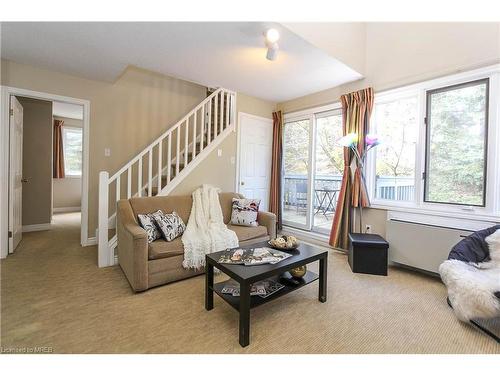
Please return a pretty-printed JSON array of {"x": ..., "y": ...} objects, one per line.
[{"x": 424, "y": 243}]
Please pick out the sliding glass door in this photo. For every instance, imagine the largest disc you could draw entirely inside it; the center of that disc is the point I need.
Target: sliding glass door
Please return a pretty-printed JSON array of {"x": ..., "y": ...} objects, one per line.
[
  {"x": 313, "y": 165},
  {"x": 296, "y": 165},
  {"x": 328, "y": 169}
]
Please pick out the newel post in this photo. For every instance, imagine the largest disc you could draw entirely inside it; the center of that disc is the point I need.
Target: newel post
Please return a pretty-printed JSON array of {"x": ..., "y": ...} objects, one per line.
[{"x": 103, "y": 246}]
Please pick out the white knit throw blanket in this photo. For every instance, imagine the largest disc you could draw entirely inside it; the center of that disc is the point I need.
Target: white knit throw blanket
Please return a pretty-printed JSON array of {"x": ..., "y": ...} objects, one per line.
[{"x": 205, "y": 231}]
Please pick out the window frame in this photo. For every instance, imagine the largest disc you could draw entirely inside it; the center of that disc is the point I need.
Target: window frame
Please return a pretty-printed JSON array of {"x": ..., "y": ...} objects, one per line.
[
  {"x": 491, "y": 210},
  {"x": 65, "y": 128},
  {"x": 427, "y": 124}
]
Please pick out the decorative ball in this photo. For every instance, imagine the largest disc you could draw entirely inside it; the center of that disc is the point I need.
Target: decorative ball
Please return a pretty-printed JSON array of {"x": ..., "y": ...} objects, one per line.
[{"x": 299, "y": 271}]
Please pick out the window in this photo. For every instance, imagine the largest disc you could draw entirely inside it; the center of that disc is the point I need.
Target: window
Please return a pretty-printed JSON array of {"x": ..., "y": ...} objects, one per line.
[
  {"x": 72, "y": 147},
  {"x": 457, "y": 124},
  {"x": 440, "y": 146},
  {"x": 395, "y": 122}
]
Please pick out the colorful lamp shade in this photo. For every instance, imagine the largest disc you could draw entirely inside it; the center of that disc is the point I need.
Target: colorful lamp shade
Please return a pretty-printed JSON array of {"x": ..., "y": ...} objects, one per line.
[
  {"x": 372, "y": 140},
  {"x": 348, "y": 140}
]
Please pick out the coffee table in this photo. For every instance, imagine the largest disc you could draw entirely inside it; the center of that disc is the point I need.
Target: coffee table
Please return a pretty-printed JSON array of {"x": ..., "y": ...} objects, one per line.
[{"x": 247, "y": 275}]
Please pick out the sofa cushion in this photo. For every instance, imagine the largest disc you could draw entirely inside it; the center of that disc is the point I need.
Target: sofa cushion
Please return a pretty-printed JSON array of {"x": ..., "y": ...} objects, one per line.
[
  {"x": 162, "y": 249},
  {"x": 178, "y": 203},
  {"x": 171, "y": 225},
  {"x": 244, "y": 212},
  {"x": 226, "y": 204},
  {"x": 248, "y": 233},
  {"x": 148, "y": 223}
]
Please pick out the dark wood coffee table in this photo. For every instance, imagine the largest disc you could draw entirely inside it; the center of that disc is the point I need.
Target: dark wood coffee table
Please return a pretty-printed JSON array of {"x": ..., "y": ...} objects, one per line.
[{"x": 247, "y": 275}]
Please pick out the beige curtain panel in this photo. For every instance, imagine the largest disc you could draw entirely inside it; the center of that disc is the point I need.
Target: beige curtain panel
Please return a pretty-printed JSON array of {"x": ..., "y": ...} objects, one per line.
[{"x": 58, "y": 152}]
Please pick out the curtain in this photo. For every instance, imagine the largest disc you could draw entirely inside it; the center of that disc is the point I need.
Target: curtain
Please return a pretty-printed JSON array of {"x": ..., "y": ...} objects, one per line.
[
  {"x": 356, "y": 111},
  {"x": 276, "y": 168},
  {"x": 58, "y": 153}
]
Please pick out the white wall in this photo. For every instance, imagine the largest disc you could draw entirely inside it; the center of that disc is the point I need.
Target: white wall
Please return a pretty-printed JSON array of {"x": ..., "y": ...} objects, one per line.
[
  {"x": 344, "y": 41},
  {"x": 398, "y": 54}
]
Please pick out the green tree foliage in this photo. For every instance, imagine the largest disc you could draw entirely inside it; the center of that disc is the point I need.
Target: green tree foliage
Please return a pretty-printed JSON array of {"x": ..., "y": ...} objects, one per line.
[{"x": 457, "y": 145}]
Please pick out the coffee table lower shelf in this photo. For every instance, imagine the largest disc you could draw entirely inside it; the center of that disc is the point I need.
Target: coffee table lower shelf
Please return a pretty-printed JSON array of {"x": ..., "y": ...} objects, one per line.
[{"x": 255, "y": 301}]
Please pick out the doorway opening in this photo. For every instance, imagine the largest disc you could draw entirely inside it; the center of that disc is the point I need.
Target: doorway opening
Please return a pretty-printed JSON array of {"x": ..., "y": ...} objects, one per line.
[{"x": 45, "y": 164}]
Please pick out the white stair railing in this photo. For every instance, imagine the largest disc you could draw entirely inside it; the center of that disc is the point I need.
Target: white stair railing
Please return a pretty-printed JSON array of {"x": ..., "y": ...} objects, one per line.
[{"x": 199, "y": 132}]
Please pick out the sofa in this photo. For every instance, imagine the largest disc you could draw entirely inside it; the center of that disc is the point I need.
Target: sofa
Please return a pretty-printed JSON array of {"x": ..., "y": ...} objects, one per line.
[{"x": 160, "y": 262}]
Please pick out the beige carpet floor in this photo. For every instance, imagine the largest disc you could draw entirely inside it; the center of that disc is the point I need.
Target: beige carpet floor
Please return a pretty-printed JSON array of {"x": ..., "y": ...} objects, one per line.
[{"x": 53, "y": 295}]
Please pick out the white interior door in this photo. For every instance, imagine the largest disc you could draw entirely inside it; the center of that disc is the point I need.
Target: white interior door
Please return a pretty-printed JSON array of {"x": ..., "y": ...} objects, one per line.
[
  {"x": 256, "y": 140},
  {"x": 16, "y": 173}
]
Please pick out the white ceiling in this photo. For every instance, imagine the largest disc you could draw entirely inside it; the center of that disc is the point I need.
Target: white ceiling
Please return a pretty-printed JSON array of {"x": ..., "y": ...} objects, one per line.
[
  {"x": 230, "y": 55},
  {"x": 67, "y": 110}
]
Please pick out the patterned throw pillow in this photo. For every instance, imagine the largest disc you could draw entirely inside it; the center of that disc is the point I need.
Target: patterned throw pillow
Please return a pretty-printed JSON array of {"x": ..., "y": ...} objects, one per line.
[
  {"x": 149, "y": 224},
  {"x": 171, "y": 225},
  {"x": 245, "y": 212}
]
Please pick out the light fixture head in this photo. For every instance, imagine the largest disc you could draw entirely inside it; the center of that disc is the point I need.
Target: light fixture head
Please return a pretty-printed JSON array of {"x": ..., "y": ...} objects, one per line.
[
  {"x": 272, "y": 36},
  {"x": 272, "y": 52}
]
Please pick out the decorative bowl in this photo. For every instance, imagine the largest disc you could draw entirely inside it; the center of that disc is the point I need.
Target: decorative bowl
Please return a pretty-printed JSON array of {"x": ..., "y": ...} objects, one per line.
[{"x": 284, "y": 243}]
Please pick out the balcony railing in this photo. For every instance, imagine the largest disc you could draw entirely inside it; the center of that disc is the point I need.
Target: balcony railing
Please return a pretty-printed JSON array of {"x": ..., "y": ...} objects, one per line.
[
  {"x": 388, "y": 187},
  {"x": 395, "y": 188}
]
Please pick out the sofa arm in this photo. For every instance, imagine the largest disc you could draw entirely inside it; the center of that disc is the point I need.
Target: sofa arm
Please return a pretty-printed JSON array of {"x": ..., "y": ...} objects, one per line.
[
  {"x": 132, "y": 247},
  {"x": 268, "y": 220}
]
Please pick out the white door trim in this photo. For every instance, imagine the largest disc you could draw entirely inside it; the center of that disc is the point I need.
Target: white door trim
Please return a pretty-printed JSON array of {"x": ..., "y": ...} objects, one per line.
[
  {"x": 6, "y": 92},
  {"x": 238, "y": 145}
]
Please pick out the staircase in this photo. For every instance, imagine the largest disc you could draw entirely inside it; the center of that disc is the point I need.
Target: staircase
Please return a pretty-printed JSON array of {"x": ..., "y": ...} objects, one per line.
[{"x": 162, "y": 165}]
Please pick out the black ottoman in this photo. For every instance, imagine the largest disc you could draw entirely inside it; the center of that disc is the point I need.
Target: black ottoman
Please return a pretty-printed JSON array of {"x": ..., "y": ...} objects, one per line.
[{"x": 368, "y": 253}]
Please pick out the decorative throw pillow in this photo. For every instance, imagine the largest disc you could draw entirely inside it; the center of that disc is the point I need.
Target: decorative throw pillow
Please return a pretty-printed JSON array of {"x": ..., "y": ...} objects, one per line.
[
  {"x": 244, "y": 212},
  {"x": 149, "y": 224},
  {"x": 171, "y": 225}
]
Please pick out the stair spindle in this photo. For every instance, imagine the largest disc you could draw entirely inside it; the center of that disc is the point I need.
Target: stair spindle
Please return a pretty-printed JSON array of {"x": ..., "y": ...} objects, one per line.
[
  {"x": 186, "y": 143},
  {"x": 194, "y": 136},
  {"x": 226, "y": 104},
  {"x": 118, "y": 188},
  {"x": 150, "y": 172},
  {"x": 177, "y": 153},
  {"x": 160, "y": 156},
  {"x": 216, "y": 115},
  {"x": 202, "y": 136},
  {"x": 139, "y": 178},
  {"x": 209, "y": 122},
  {"x": 169, "y": 157},
  {"x": 129, "y": 182}
]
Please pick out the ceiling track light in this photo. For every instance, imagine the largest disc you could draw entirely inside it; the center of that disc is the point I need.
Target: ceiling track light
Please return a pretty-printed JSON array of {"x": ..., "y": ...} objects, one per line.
[{"x": 271, "y": 39}]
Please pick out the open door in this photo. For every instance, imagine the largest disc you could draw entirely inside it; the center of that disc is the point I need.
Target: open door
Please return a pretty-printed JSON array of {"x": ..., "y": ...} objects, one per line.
[{"x": 15, "y": 174}]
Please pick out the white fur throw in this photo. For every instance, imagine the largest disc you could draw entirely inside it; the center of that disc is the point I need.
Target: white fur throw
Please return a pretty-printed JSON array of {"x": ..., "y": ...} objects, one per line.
[
  {"x": 471, "y": 286},
  {"x": 205, "y": 232}
]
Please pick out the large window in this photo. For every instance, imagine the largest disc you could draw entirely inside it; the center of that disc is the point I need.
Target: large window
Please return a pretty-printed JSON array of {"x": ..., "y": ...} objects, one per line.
[
  {"x": 439, "y": 153},
  {"x": 72, "y": 147},
  {"x": 395, "y": 122},
  {"x": 440, "y": 146},
  {"x": 457, "y": 123}
]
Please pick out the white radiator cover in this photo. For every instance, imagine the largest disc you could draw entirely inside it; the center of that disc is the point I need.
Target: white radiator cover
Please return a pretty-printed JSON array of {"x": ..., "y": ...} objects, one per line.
[{"x": 414, "y": 242}]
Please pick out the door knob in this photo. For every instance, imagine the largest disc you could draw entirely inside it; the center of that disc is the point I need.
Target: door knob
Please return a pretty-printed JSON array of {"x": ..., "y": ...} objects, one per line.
[{"x": 242, "y": 183}]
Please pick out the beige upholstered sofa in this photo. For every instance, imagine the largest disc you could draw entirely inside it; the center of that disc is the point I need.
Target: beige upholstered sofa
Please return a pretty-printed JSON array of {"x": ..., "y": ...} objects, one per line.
[{"x": 160, "y": 262}]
